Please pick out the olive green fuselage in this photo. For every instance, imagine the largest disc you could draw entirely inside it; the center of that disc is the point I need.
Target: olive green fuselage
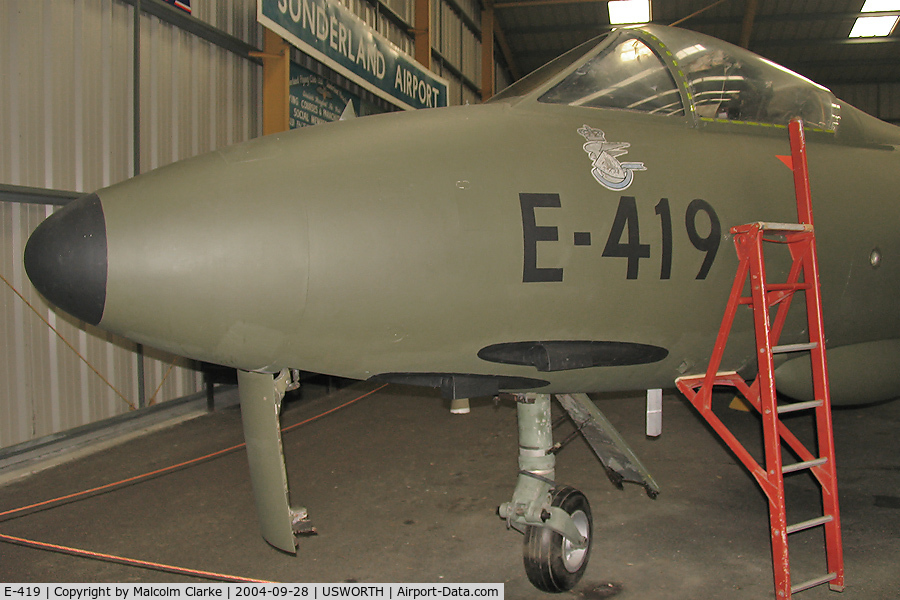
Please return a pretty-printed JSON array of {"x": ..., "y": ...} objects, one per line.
[{"x": 409, "y": 243}]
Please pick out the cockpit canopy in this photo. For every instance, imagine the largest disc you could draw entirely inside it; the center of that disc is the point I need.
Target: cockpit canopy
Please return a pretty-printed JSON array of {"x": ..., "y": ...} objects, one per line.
[{"x": 674, "y": 72}]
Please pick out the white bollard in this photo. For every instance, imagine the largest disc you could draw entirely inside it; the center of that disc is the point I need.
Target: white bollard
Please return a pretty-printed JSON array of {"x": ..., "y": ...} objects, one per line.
[{"x": 654, "y": 412}]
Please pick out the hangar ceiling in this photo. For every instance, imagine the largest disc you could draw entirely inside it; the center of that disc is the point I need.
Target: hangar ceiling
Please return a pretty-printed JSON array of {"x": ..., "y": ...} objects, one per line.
[{"x": 807, "y": 36}]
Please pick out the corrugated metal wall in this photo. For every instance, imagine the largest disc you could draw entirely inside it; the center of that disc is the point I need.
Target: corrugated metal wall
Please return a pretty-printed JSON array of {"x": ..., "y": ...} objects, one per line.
[
  {"x": 454, "y": 37},
  {"x": 66, "y": 105},
  {"x": 66, "y": 122},
  {"x": 234, "y": 17}
]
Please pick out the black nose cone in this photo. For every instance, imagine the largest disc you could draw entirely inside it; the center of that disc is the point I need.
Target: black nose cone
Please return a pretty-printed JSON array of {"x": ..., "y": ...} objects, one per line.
[{"x": 65, "y": 258}]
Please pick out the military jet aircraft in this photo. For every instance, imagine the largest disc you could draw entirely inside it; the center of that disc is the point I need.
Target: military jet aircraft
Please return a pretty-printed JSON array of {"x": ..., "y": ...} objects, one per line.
[{"x": 569, "y": 236}]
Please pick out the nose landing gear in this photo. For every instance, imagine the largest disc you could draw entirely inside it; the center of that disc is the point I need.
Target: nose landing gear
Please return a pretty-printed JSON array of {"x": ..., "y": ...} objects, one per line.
[{"x": 556, "y": 519}]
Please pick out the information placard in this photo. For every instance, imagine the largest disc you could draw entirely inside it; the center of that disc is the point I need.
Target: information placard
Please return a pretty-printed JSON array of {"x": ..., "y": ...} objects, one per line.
[
  {"x": 332, "y": 34},
  {"x": 315, "y": 100}
]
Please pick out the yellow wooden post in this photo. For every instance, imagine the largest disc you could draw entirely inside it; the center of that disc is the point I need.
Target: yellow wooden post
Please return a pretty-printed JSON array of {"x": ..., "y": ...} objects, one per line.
[
  {"x": 276, "y": 57},
  {"x": 422, "y": 33}
]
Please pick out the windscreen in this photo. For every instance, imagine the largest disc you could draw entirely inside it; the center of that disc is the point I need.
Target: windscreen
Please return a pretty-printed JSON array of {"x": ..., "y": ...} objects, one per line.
[
  {"x": 537, "y": 77},
  {"x": 625, "y": 75}
]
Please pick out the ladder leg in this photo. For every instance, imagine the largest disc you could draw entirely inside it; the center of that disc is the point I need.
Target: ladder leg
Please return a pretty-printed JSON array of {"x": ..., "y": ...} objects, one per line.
[
  {"x": 768, "y": 407},
  {"x": 781, "y": 565},
  {"x": 827, "y": 477}
]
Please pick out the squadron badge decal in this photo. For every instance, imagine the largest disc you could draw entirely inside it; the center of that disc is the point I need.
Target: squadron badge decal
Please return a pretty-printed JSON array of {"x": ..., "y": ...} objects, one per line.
[{"x": 608, "y": 171}]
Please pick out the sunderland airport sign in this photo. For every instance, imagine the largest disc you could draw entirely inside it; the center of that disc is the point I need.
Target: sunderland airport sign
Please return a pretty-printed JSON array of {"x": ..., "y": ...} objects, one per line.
[{"x": 330, "y": 33}]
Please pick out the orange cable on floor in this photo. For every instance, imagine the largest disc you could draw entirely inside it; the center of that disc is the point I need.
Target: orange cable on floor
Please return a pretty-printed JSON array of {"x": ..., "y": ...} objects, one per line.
[
  {"x": 131, "y": 562},
  {"x": 140, "y": 563},
  {"x": 122, "y": 482},
  {"x": 336, "y": 408},
  {"x": 182, "y": 464}
]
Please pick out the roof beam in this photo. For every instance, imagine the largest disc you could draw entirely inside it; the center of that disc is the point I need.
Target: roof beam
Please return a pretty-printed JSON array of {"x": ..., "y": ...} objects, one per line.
[
  {"x": 855, "y": 63},
  {"x": 792, "y": 18},
  {"x": 589, "y": 29},
  {"x": 487, "y": 51},
  {"x": 506, "y": 51},
  {"x": 527, "y": 3},
  {"x": 797, "y": 43},
  {"x": 750, "y": 9},
  {"x": 695, "y": 13}
]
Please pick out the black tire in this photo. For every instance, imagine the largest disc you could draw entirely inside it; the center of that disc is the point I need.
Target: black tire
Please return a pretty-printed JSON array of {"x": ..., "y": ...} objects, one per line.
[{"x": 550, "y": 562}]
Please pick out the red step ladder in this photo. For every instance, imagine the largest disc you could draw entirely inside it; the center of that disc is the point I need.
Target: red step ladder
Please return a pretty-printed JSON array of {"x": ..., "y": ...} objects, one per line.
[{"x": 764, "y": 295}]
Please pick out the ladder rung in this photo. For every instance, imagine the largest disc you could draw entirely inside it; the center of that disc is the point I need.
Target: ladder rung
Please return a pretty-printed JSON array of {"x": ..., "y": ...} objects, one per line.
[
  {"x": 803, "y": 525},
  {"x": 788, "y": 287},
  {"x": 794, "y": 348},
  {"x": 795, "y": 406},
  {"x": 804, "y": 465},
  {"x": 694, "y": 379},
  {"x": 813, "y": 583},
  {"x": 765, "y": 226}
]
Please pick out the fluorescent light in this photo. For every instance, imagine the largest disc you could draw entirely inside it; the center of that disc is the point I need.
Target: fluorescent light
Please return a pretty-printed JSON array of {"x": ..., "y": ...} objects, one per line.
[
  {"x": 875, "y": 26},
  {"x": 880, "y": 5},
  {"x": 624, "y": 12}
]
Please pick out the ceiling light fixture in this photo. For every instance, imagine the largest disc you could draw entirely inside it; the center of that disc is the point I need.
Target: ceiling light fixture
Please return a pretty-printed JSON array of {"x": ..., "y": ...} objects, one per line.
[
  {"x": 628, "y": 12},
  {"x": 880, "y": 26}
]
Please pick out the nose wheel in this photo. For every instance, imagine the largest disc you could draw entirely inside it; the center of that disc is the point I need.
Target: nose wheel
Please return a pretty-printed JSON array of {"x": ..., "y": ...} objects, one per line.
[
  {"x": 556, "y": 519},
  {"x": 552, "y": 562}
]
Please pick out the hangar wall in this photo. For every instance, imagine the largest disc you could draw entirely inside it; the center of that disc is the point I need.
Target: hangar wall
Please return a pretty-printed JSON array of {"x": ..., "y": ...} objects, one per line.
[
  {"x": 881, "y": 100},
  {"x": 66, "y": 123},
  {"x": 457, "y": 39}
]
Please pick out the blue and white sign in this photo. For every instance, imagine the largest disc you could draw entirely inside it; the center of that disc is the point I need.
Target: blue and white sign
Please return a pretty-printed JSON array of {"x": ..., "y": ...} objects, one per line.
[
  {"x": 314, "y": 100},
  {"x": 330, "y": 33}
]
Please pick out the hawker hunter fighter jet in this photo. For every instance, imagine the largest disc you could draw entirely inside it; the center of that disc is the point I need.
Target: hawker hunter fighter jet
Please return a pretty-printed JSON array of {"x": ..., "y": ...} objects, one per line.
[{"x": 569, "y": 236}]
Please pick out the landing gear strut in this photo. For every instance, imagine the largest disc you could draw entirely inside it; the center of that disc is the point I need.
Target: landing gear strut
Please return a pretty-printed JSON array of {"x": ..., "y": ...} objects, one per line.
[{"x": 556, "y": 519}]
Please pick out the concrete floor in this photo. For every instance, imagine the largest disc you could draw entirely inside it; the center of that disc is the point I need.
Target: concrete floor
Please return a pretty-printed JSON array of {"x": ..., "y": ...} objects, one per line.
[{"x": 402, "y": 491}]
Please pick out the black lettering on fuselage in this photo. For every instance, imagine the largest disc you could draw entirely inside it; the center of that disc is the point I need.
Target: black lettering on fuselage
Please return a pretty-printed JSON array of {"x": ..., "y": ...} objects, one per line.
[
  {"x": 532, "y": 233},
  {"x": 624, "y": 238},
  {"x": 626, "y": 225}
]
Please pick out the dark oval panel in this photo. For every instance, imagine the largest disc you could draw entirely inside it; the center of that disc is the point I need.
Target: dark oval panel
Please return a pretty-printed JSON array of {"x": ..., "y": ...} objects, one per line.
[{"x": 567, "y": 355}]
